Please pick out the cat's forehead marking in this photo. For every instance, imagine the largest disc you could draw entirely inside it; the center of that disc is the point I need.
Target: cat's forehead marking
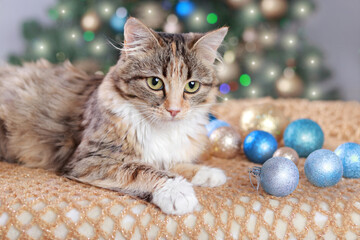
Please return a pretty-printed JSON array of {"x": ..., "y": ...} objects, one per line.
[{"x": 173, "y": 47}]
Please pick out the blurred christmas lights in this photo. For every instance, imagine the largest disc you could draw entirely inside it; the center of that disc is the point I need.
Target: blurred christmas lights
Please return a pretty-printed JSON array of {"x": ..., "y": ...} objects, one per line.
[
  {"x": 212, "y": 18},
  {"x": 184, "y": 8},
  {"x": 245, "y": 80},
  {"x": 224, "y": 88},
  {"x": 121, "y": 12},
  {"x": 117, "y": 23},
  {"x": 258, "y": 47},
  {"x": 89, "y": 36}
]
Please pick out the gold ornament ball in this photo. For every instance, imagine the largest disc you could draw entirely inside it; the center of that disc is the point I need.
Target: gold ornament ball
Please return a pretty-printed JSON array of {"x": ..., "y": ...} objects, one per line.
[
  {"x": 289, "y": 86},
  {"x": 90, "y": 21},
  {"x": 225, "y": 142},
  {"x": 288, "y": 153},
  {"x": 266, "y": 117},
  {"x": 237, "y": 3},
  {"x": 273, "y": 9}
]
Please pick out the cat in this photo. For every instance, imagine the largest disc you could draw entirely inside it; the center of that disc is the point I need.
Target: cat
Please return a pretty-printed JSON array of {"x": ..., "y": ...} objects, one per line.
[{"x": 137, "y": 130}]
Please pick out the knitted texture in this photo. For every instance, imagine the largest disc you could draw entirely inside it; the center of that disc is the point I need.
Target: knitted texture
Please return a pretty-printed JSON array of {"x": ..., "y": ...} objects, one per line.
[{"x": 37, "y": 204}]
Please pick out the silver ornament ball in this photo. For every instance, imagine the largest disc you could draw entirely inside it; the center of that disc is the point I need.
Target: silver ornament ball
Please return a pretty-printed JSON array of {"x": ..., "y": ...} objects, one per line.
[{"x": 279, "y": 176}]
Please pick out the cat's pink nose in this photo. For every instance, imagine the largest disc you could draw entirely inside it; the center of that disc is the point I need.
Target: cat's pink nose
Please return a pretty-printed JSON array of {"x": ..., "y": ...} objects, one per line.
[{"x": 173, "y": 112}]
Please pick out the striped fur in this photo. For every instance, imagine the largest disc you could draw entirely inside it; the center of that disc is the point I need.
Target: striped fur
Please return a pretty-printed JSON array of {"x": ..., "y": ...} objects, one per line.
[{"x": 116, "y": 132}]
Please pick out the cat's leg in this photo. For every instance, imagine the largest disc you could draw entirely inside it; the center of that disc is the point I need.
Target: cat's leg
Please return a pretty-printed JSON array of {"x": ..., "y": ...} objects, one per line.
[
  {"x": 173, "y": 194},
  {"x": 200, "y": 175}
]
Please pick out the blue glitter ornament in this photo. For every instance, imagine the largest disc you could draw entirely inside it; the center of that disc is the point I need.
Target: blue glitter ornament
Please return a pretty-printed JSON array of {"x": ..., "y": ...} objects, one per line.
[
  {"x": 278, "y": 176},
  {"x": 349, "y": 153},
  {"x": 323, "y": 168},
  {"x": 304, "y": 136},
  {"x": 259, "y": 146},
  {"x": 215, "y": 124}
]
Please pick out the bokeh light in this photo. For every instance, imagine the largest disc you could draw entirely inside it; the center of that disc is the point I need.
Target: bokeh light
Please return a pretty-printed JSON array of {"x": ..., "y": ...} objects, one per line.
[
  {"x": 251, "y": 14},
  {"x": 234, "y": 86},
  {"x": 89, "y": 36},
  {"x": 117, "y": 23},
  {"x": 41, "y": 48},
  {"x": 197, "y": 21},
  {"x": 53, "y": 14},
  {"x": 172, "y": 24},
  {"x": 106, "y": 9},
  {"x": 224, "y": 88},
  {"x": 290, "y": 41},
  {"x": 245, "y": 80},
  {"x": 73, "y": 35},
  {"x": 312, "y": 62},
  {"x": 98, "y": 47},
  {"x": 90, "y": 21},
  {"x": 212, "y": 18},
  {"x": 184, "y": 8},
  {"x": 302, "y": 9},
  {"x": 121, "y": 12},
  {"x": 229, "y": 56}
]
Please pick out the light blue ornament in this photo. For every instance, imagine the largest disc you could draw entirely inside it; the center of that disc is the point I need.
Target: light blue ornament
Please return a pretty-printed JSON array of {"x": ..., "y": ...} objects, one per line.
[
  {"x": 259, "y": 146},
  {"x": 349, "y": 153},
  {"x": 323, "y": 168},
  {"x": 278, "y": 176},
  {"x": 117, "y": 23},
  {"x": 215, "y": 124},
  {"x": 304, "y": 136}
]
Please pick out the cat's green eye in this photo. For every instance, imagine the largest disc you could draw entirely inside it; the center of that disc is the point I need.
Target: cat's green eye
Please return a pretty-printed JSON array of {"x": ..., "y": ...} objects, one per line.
[
  {"x": 192, "y": 87},
  {"x": 155, "y": 83}
]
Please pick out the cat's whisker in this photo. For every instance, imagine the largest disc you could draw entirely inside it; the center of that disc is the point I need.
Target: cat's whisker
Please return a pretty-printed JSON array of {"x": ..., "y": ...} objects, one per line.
[{"x": 112, "y": 43}]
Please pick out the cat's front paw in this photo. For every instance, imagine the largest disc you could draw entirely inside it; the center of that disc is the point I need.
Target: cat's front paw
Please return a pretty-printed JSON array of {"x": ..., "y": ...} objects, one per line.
[
  {"x": 176, "y": 196},
  {"x": 209, "y": 177}
]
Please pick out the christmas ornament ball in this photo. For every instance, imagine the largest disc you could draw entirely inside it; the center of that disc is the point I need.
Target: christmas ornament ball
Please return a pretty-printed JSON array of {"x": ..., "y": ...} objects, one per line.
[
  {"x": 289, "y": 86},
  {"x": 225, "y": 142},
  {"x": 323, "y": 168},
  {"x": 273, "y": 9},
  {"x": 304, "y": 136},
  {"x": 90, "y": 21},
  {"x": 215, "y": 124},
  {"x": 279, "y": 176},
  {"x": 288, "y": 153},
  {"x": 349, "y": 153},
  {"x": 259, "y": 146},
  {"x": 266, "y": 117}
]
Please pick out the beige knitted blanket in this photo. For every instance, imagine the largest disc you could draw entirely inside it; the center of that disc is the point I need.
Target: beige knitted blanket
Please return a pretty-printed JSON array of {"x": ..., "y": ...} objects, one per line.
[{"x": 40, "y": 205}]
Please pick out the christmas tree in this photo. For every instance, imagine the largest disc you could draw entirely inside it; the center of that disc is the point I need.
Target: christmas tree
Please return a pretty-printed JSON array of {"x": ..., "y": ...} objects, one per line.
[{"x": 265, "y": 52}]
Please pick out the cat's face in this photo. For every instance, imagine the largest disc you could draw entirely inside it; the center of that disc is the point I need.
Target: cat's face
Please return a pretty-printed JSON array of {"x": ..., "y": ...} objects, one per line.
[{"x": 167, "y": 77}]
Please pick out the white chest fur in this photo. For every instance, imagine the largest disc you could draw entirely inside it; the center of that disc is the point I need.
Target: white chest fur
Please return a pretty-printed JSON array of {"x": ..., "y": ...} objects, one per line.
[{"x": 166, "y": 144}]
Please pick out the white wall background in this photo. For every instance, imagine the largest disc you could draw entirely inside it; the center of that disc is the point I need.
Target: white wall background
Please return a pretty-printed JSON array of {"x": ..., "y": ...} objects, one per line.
[{"x": 334, "y": 27}]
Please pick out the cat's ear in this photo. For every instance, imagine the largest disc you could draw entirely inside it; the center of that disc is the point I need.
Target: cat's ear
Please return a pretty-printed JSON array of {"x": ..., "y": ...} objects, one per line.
[
  {"x": 138, "y": 37},
  {"x": 209, "y": 43}
]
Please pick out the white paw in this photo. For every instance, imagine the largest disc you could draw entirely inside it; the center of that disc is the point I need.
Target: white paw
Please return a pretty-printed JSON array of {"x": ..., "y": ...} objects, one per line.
[
  {"x": 176, "y": 196},
  {"x": 209, "y": 177}
]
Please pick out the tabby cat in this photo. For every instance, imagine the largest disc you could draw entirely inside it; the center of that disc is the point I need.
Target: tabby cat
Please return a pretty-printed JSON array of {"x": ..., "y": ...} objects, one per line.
[{"x": 138, "y": 130}]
